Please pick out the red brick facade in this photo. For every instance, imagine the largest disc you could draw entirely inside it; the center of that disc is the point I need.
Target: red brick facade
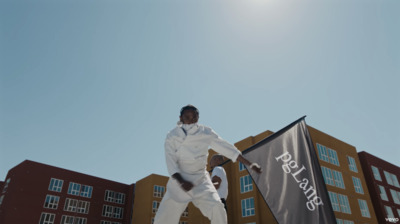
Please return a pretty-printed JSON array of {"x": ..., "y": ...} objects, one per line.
[
  {"x": 33, "y": 192},
  {"x": 382, "y": 181}
]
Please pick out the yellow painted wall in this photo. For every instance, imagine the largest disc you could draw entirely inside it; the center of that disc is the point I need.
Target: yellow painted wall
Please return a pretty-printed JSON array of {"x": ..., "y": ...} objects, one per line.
[{"x": 343, "y": 150}]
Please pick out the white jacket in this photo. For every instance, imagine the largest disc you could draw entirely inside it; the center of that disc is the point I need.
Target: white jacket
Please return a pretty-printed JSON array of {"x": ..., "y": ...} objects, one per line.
[{"x": 187, "y": 153}]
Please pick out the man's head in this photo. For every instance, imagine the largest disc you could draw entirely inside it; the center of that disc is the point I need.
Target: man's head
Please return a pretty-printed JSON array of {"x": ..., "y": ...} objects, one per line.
[
  {"x": 216, "y": 160},
  {"x": 189, "y": 114}
]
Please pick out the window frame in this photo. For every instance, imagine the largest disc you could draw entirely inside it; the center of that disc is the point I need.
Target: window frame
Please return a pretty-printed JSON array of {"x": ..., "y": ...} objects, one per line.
[
  {"x": 155, "y": 206},
  {"x": 71, "y": 205},
  {"x": 328, "y": 176},
  {"x": 74, "y": 188},
  {"x": 241, "y": 167},
  {"x": 334, "y": 201},
  {"x": 357, "y": 185},
  {"x": 45, "y": 216},
  {"x": 344, "y": 203},
  {"x": 248, "y": 207},
  {"x": 158, "y": 191},
  {"x": 56, "y": 185},
  {"x": 51, "y": 201},
  {"x": 364, "y": 208},
  {"x": 391, "y": 211},
  {"x": 246, "y": 184},
  {"x": 86, "y": 191},
  {"x": 352, "y": 164},
  {"x": 376, "y": 173},
  {"x": 333, "y": 157},
  {"x": 382, "y": 188},
  {"x": 322, "y": 153},
  {"x": 395, "y": 196},
  {"x": 338, "y": 178}
]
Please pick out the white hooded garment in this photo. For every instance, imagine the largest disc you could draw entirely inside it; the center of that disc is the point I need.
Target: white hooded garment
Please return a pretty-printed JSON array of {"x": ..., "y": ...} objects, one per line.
[{"x": 186, "y": 153}]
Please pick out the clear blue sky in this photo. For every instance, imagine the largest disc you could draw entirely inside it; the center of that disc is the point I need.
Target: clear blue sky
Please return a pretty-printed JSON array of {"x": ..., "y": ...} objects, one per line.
[{"x": 93, "y": 86}]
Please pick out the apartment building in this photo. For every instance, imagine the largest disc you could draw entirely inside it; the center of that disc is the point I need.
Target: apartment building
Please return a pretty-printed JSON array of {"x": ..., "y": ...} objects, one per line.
[
  {"x": 344, "y": 179},
  {"x": 382, "y": 181},
  {"x": 342, "y": 174},
  {"x": 39, "y": 193}
]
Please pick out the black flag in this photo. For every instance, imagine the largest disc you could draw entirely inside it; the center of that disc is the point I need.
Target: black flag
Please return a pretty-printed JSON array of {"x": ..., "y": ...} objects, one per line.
[{"x": 291, "y": 182}]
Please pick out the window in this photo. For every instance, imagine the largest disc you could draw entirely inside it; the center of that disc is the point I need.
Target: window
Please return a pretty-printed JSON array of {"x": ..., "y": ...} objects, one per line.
[
  {"x": 398, "y": 195},
  {"x": 323, "y": 154},
  {"x": 383, "y": 193},
  {"x": 248, "y": 207},
  {"x": 327, "y": 155},
  {"x": 158, "y": 191},
  {"x": 389, "y": 212},
  {"x": 376, "y": 173},
  {"x": 118, "y": 212},
  {"x": 79, "y": 220},
  {"x": 333, "y": 157},
  {"x": 51, "y": 202},
  {"x": 80, "y": 190},
  {"x": 338, "y": 179},
  {"x": 1, "y": 199},
  {"x": 83, "y": 207},
  {"x": 395, "y": 196},
  {"x": 66, "y": 219},
  {"x": 107, "y": 211},
  {"x": 327, "y": 174},
  {"x": 364, "y": 208},
  {"x": 398, "y": 212},
  {"x": 112, "y": 212},
  {"x": 339, "y": 221},
  {"x": 73, "y": 205},
  {"x": 348, "y": 222},
  {"x": 55, "y": 185},
  {"x": 120, "y": 198},
  {"x": 47, "y": 218},
  {"x": 6, "y": 185},
  {"x": 332, "y": 177},
  {"x": 391, "y": 179},
  {"x": 86, "y": 191},
  {"x": 334, "y": 201},
  {"x": 156, "y": 204},
  {"x": 109, "y": 196},
  {"x": 395, "y": 181},
  {"x": 241, "y": 166},
  {"x": 246, "y": 184},
  {"x": 70, "y": 205},
  {"x": 109, "y": 222},
  {"x": 115, "y": 197},
  {"x": 74, "y": 188},
  {"x": 344, "y": 204},
  {"x": 186, "y": 212},
  {"x": 388, "y": 177},
  {"x": 357, "y": 185},
  {"x": 352, "y": 164}
]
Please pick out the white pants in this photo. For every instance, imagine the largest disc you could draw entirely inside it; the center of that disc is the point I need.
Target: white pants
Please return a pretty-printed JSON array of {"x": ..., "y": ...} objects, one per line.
[{"x": 204, "y": 196}]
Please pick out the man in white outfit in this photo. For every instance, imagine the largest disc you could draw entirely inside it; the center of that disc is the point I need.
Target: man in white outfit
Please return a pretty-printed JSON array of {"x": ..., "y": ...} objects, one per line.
[
  {"x": 218, "y": 177},
  {"x": 186, "y": 152}
]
